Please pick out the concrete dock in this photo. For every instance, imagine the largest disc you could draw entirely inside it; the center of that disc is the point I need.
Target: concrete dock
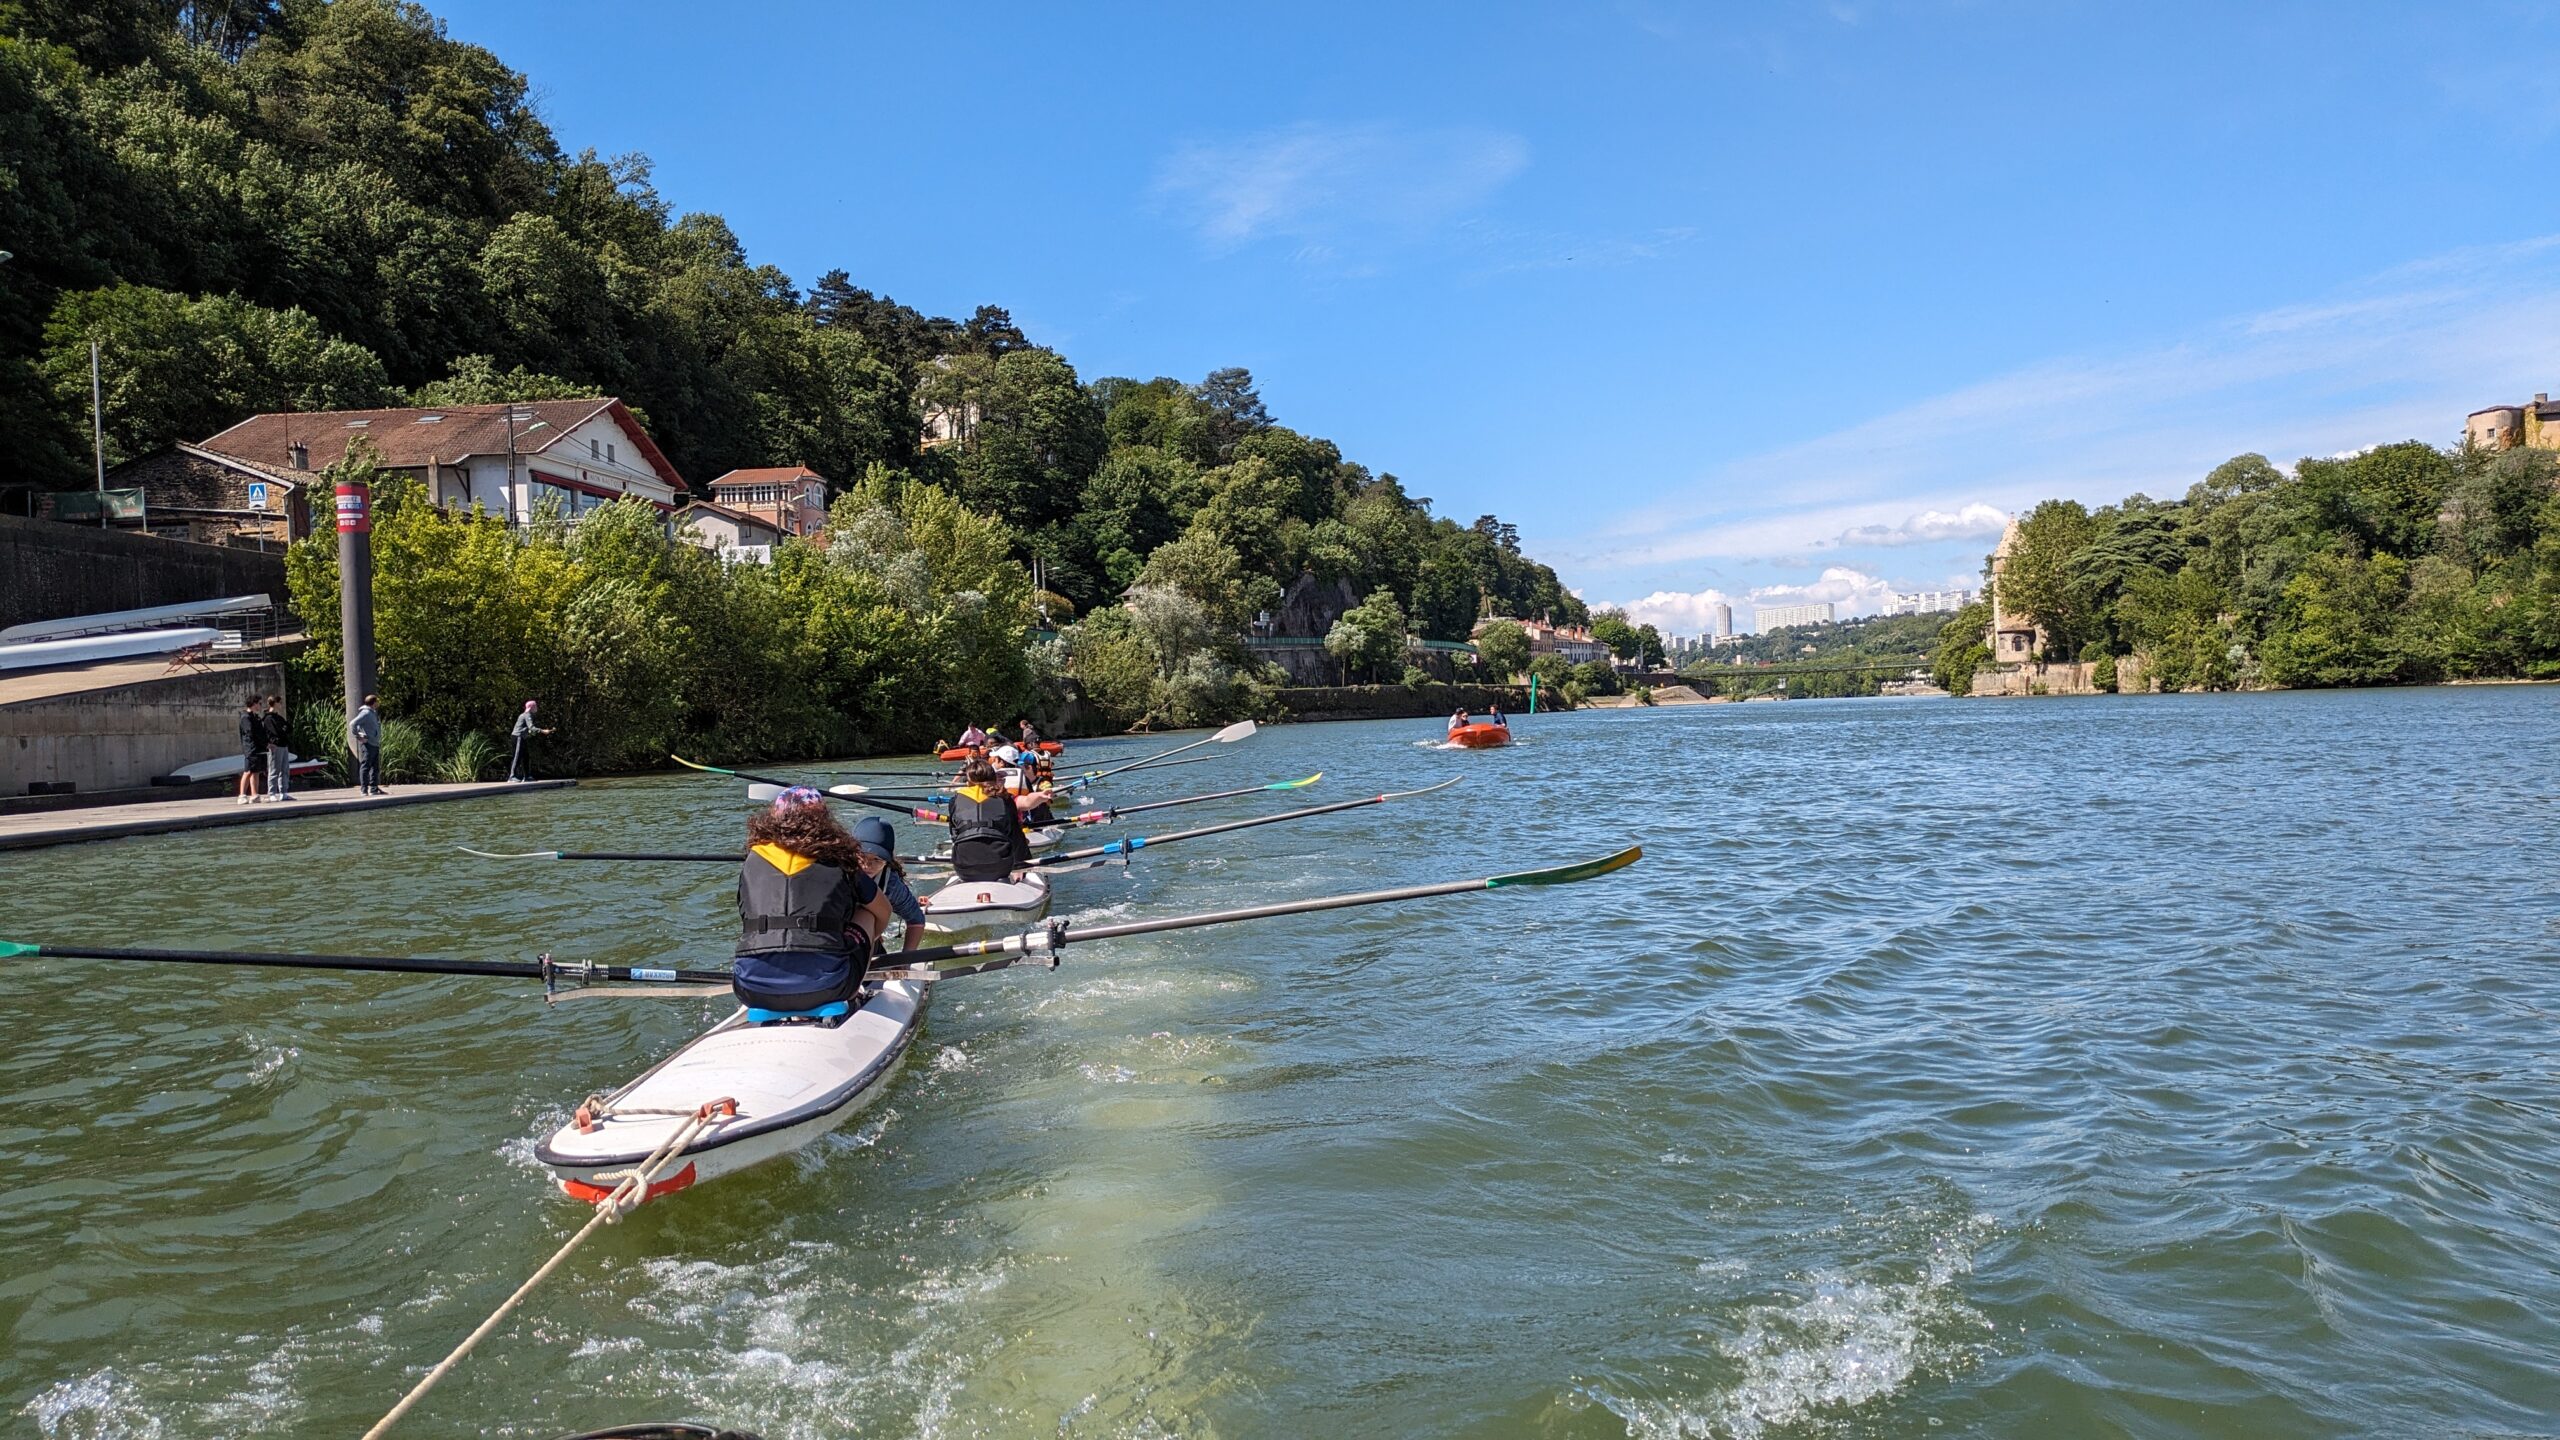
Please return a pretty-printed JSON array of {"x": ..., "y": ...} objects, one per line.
[{"x": 114, "y": 822}]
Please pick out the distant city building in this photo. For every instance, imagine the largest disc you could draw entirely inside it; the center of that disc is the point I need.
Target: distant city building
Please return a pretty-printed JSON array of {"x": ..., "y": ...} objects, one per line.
[
  {"x": 1929, "y": 602},
  {"x": 1779, "y": 617}
]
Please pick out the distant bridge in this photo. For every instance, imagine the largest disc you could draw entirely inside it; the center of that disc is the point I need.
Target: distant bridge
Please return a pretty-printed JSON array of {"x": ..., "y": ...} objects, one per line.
[{"x": 1756, "y": 672}]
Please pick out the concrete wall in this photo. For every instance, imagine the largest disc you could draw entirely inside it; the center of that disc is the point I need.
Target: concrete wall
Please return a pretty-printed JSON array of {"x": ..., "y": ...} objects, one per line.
[
  {"x": 1395, "y": 702},
  {"x": 118, "y": 737},
  {"x": 49, "y": 570},
  {"x": 2033, "y": 679}
]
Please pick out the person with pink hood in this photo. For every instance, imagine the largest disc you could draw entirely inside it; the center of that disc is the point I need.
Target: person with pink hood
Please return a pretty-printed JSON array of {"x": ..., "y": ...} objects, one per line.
[{"x": 519, "y": 768}]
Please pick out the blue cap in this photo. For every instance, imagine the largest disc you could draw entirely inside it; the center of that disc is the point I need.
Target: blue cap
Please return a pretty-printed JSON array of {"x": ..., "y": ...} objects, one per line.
[{"x": 875, "y": 837}]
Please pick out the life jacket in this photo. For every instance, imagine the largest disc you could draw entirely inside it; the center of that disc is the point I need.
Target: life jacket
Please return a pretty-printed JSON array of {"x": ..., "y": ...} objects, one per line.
[
  {"x": 791, "y": 902},
  {"x": 981, "y": 815}
]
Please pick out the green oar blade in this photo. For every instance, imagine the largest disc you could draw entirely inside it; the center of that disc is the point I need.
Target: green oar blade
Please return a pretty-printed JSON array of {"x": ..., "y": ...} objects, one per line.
[{"x": 1567, "y": 874}]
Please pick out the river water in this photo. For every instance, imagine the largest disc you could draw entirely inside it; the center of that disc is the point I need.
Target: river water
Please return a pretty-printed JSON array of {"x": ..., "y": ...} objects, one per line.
[{"x": 2178, "y": 1066}]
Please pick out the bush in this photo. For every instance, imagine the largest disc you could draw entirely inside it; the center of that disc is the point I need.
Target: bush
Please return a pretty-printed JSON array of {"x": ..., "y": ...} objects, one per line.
[{"x": 470, "y": 759}]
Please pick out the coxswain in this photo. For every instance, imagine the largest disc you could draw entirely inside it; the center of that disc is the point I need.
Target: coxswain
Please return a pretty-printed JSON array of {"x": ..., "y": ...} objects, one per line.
[
  {"x": 879, "y": 861},
  {"x": 987, "y": 842},
  {"x": 807, "y": 915}
]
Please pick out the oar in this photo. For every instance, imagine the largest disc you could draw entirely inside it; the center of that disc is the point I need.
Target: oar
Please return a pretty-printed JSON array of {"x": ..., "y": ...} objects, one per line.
[
  {"x": 856, "y": 794},
  {"x": 1046, "y": 941},
  {"x": 1242, "y": 729},
  {"x": 1136, "y": 842},
  {"x": 1105, "y": 817},
  {"x": 545, "y": 969},
  {"x": 722, "y": 857}
]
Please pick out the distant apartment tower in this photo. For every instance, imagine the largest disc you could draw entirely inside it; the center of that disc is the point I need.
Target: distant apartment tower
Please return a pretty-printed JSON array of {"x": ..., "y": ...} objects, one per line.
[
  {"x": 1779, "y": 617},
  {"x": 1724, "y": 621},
  {"x": 1929, "y": 602}
]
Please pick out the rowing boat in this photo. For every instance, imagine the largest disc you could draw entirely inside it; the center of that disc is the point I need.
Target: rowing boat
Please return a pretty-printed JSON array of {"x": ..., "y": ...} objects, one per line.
[
  {"x": 975, "y": 907},
  {"x": 1482, "y": 735},
  {"x": 773, "y": 1089}
]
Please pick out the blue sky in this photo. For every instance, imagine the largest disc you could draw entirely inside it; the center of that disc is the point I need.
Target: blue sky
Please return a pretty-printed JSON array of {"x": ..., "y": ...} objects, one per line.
[{"x": 1713, "y": 301}]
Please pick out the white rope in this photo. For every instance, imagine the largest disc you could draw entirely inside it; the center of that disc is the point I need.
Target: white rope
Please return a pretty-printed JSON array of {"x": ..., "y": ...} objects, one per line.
[{"x": 630, "y": 1191}]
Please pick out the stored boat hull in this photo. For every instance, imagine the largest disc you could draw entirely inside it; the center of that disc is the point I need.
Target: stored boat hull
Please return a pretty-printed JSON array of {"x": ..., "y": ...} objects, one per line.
[{"x": 791, "y": 1083}]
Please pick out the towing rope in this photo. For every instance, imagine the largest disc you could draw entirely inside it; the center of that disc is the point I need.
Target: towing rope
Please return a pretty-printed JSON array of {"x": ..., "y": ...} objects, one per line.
[{"x": 630, "y": 1191}]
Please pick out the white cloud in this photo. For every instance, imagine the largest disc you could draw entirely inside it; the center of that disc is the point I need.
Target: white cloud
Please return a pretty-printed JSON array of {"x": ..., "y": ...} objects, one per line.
[
  {"x": 1974, "y": 521},
  {"x": 2405, "y": 353},
  {"x": 1854, "y": 592},
  {"x": 1683, "y": 612},
  {"x": 1314, "y": 184}
]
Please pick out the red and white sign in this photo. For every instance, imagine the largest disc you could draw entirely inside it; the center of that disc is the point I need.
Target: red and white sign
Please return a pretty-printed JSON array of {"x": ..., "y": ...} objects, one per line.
[{"x": 355, "y": 508}]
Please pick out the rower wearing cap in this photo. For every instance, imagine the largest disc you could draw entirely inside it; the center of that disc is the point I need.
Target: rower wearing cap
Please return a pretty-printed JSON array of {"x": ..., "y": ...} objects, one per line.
[
  {"x": 807, "y": 914},
  {"x": 879, "y": 862}
]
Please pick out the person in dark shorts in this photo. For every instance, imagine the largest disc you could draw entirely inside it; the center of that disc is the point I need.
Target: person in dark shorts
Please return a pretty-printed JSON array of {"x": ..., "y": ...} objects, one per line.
[{"x": 253, "y": 752}]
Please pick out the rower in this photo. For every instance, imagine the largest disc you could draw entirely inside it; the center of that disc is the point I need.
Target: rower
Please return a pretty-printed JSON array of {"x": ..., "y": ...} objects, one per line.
[
  {"x": 879, "y": 862},
  {"x": 806, "y": 913},
  {"x": 987, "y": 842}
]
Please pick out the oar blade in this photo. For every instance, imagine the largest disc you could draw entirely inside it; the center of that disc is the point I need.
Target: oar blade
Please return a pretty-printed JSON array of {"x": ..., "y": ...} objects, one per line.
[{"x": 1568, "y": 874}]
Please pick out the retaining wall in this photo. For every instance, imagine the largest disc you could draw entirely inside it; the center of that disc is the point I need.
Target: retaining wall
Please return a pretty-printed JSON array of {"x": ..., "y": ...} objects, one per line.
[
  {"x": 49, "y": 570},
  {"x": 119, "y": 736},
  {"x": 1396, "y": 702}
]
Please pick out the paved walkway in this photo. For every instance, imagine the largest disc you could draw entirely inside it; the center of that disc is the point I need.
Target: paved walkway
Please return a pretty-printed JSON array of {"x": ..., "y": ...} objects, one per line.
[{"x": 112, "y": 822}]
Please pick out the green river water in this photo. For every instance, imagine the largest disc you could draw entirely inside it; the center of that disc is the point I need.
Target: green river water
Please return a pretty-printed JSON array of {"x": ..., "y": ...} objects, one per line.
[{"x": 2176, "y": 1066}]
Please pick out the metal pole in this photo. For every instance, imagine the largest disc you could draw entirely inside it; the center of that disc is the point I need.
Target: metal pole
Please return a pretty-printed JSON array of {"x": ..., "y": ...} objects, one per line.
[
  {"x": 355, "y": 589},
  {"x": 98, "y": 429}
]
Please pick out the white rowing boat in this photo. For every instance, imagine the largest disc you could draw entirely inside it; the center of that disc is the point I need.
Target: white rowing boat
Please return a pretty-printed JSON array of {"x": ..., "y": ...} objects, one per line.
[
  {"x": 776, "y": 1089},
  {"x": 973, "y": 907}
]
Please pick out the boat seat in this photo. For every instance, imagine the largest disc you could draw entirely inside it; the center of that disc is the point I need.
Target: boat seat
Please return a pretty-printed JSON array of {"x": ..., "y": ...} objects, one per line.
[{"x": 831, "y": 1013}]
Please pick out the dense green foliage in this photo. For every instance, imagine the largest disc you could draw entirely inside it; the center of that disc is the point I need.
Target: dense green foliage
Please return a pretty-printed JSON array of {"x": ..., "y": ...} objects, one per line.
[
  {"x": 2403, "y": 564},
  {"x": 276, "y": 204},
  {"x": 636, "y": 646}
]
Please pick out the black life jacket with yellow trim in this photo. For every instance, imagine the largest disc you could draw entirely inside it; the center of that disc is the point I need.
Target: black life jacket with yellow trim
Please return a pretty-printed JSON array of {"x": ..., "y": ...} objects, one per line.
[
  {"x": 788, "y": 901},
  {"x": 980, "y": 815}
]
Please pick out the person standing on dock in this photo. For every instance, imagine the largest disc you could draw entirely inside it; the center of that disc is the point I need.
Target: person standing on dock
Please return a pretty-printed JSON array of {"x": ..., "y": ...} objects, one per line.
[
  {"x": 519, "y": 767},
  {"x": 364, "y": 737},
  {"x": 279, "y": 750},
  {"x": 253, "y": 751}
]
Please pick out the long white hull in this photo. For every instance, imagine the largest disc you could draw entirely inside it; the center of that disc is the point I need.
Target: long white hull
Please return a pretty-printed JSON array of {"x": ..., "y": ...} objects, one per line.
[
  {"x": 791, "y": 1084},
  {"x": 966, "y": 908}
]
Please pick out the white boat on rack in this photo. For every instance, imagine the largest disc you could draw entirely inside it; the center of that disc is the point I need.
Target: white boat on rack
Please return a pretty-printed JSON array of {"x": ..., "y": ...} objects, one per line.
[{"x": 773, "y": 1088}]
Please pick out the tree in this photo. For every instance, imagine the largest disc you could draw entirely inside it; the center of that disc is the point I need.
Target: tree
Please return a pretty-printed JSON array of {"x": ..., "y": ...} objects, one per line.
[
  {"x": 1370, "y": 637},
  {"x": 2036, "y": 580},
  {"x": 1504, "y": 648},
  {"x": 1962, "y": 649}
]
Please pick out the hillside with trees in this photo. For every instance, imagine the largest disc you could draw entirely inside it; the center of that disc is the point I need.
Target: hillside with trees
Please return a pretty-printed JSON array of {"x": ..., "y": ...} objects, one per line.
[
  {"x": 306, "y": 204},
  {"x": 2405, "y": 564}
]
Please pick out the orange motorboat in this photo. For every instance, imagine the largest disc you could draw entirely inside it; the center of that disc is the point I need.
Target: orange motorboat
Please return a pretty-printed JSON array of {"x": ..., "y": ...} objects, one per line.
[{"x": 1482, "y": 735}]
